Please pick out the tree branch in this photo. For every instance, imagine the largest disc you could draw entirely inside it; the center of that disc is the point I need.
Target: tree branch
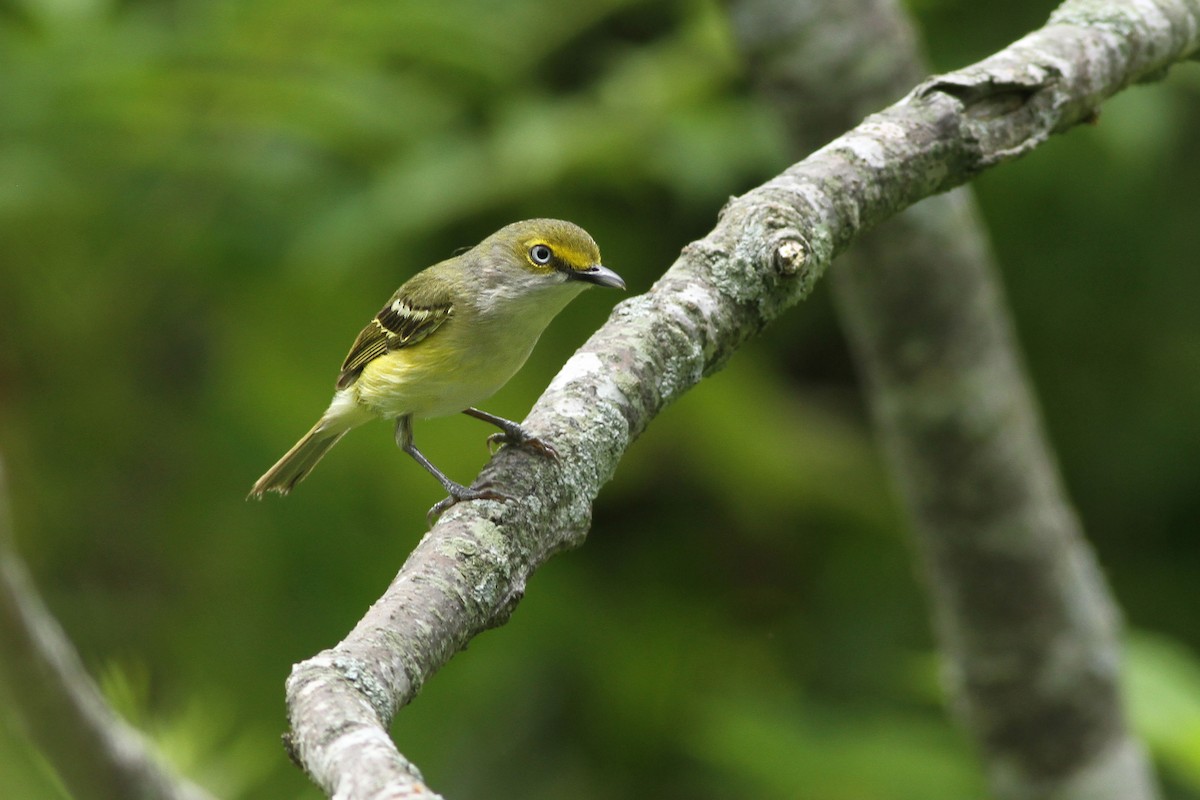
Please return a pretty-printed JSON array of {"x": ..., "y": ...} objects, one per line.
[
  {"x": 768, "y": 249},
  {"x": 96, "y": 753},
  {"x": 1026, "y": 622}
]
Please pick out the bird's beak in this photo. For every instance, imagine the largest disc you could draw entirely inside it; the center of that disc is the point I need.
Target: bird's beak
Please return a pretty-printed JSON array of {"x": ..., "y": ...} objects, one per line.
[{"x": 599, "y": 275}]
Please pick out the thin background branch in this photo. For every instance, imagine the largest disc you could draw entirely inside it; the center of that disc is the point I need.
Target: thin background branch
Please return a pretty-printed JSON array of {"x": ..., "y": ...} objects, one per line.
[
  {"x": 95, "y": 753},
  {"x": 1025, "y": 619},
  {"x": 767, "y": 251}
]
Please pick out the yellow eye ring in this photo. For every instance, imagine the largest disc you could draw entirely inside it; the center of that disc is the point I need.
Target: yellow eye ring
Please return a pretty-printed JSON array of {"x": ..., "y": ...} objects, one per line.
[{"x": 540, "y": 254}]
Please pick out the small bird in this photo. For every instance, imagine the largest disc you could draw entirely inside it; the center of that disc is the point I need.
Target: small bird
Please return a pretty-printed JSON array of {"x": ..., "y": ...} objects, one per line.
[{"x": 449, "y": 338}]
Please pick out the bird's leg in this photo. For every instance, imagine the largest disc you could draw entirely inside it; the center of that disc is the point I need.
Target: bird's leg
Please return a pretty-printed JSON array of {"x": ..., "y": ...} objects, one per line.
[
  {"x": 513, "y": 434},
  {"x": 457, "y": 492}
]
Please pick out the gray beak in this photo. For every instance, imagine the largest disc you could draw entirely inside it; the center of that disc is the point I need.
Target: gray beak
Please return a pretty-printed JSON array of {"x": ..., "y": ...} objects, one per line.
[{"x": 599, "y": 275}]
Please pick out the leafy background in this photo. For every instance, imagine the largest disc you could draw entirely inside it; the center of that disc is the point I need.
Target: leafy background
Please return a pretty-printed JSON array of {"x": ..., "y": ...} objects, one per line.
[{"x": 202, "y": 200}]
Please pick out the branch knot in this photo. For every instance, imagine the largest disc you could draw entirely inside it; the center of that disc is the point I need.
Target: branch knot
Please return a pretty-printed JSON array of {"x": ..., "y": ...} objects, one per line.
[{"x": 790, "y": 255}]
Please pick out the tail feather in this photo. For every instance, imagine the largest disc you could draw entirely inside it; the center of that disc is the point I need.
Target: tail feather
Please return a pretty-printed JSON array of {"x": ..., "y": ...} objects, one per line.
[{"x": 299, "y": 461}]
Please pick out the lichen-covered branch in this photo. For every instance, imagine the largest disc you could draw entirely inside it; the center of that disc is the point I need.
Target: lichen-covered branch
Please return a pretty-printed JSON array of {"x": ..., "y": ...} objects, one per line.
[
  {"x": 767, "y": 250},
  {"x": 1025, "y": 620},
  {"x": 95, "y": 753}
]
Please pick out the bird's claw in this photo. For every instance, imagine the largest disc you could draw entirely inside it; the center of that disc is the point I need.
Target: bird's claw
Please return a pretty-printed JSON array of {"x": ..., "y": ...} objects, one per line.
[
  {"x": 523, "y": 440},
  {"x": 463, "y": 495}
]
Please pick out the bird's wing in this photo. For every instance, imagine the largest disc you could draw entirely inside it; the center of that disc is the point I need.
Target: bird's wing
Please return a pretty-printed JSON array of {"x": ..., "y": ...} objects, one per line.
[{"x": 416, "y": 310}]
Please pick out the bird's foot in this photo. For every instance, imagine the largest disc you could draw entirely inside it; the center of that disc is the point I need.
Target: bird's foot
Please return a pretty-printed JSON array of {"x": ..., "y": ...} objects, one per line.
[
  {"x": 518, "y": 437},
  {"x": 511, "y": 433},
  {"x": 459, "y": 494}
]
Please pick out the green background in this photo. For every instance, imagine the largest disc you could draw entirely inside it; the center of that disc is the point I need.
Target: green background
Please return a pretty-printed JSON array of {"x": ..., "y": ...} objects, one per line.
[{"x": 202, "y": 201}]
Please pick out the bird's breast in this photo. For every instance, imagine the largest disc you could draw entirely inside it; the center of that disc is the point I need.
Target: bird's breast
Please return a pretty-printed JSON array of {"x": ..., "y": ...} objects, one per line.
[{"x": 463, "y": 363}]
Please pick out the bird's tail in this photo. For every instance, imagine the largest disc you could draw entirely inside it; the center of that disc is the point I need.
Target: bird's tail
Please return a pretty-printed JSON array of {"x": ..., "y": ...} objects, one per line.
[{"x": 299, "y": 461}]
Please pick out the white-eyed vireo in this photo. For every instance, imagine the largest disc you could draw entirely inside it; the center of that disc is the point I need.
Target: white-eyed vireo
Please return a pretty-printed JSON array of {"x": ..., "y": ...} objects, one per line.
[{"x": 450, "y": 337}]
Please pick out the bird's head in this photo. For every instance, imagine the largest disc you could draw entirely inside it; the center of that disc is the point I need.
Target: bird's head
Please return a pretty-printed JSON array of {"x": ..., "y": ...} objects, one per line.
[{"x": 554, "y": 248}]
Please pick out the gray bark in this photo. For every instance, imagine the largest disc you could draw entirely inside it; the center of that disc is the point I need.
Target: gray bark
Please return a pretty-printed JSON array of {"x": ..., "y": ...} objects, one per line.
[
  {"x": 767, "y": 250},
  {"x": 1028, "y": 630}
]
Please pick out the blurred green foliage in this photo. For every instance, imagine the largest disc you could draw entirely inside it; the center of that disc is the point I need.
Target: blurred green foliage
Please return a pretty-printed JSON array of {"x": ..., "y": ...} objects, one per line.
[{"x": 201, "y": 202}]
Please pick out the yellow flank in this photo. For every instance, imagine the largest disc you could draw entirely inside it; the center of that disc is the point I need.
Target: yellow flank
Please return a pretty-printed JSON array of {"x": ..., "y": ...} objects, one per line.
[
  {"x": 464, "y": 362},
  {"x": 431, "y": 379}
]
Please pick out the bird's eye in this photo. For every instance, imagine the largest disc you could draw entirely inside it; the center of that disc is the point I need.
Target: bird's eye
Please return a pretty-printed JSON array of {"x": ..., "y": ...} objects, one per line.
[{"x": 540, "y": 254}]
